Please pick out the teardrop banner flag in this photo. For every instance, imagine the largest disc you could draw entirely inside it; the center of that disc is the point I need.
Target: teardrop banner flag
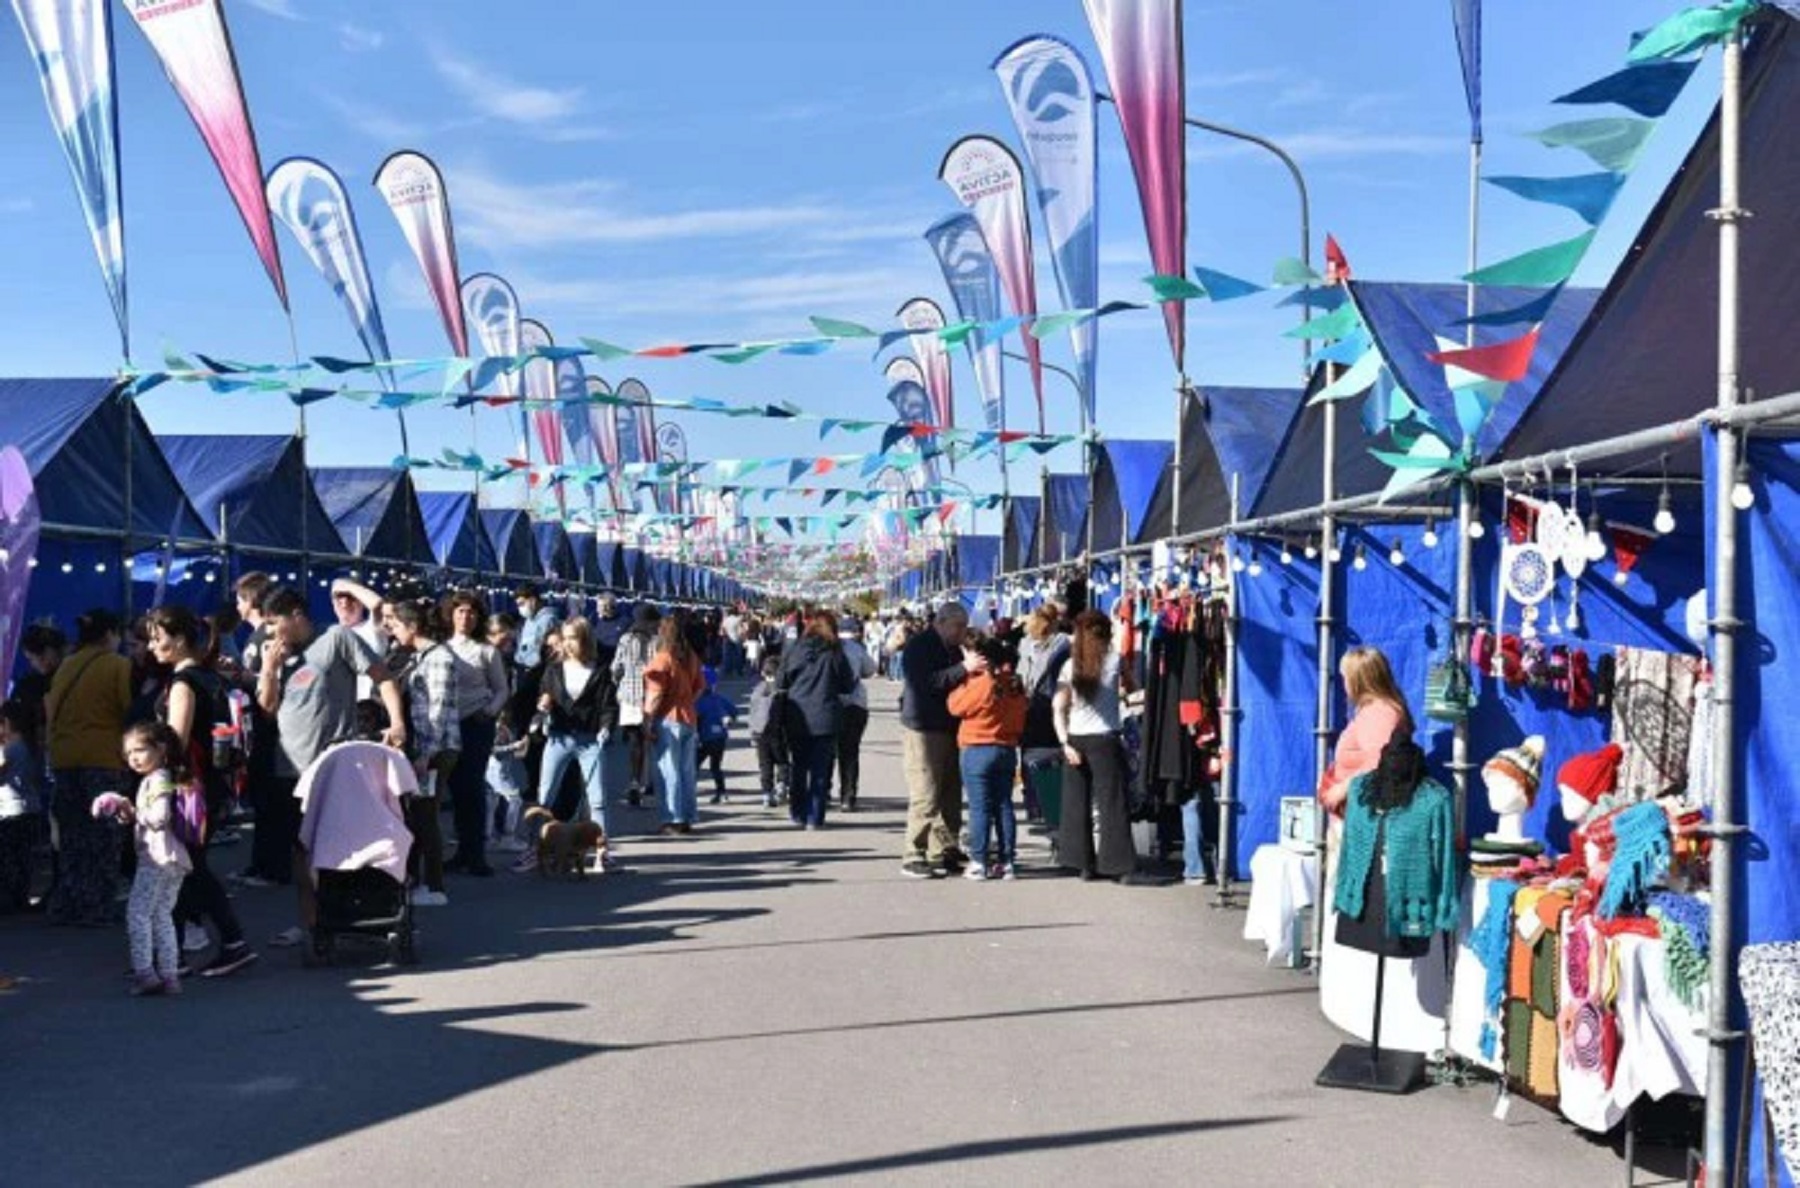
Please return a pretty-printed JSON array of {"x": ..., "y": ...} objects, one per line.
[
  {"x": 72, "y": 47},
  {"x": 988, "y": 180},
  {"x": 1051, "y": 92},
  {"x": 540, "y": 386},
  {"x": 414, "y": 190},
  {"x": 922, "y": 313},
  {"x": 1140, "y": 44},
  {"x": 191, "y": 41},
  {"x": 491, "y": 305},
  {"x": 974, "y": 285},
  {"x": 310, "y": 201},
  {"x": 603, "y": 423}
]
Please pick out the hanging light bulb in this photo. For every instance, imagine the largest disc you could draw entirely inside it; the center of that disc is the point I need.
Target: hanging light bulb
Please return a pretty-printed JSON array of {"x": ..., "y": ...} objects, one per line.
[
  {"x": 1665, "y": 514},
  {"x": 5, "y": 556},
  {"x": 1596, "y": 541},
  {"x": 1430, "y": 537},
  {"x": 1397, "y": 555},
  {"x": 1287, "y": 553},
  {"x": 1237, "y": 563},
  {"x": 67, "y": 567},
  {"x": 1312, "y": 549},
  {"x": 211, "y": 577},
  {"x": 99, "y": 567},
  {"x": 1743, "y": 496},
  {"x": 1476, "y": 530},
  {"x": 31, "y": 564},
  {"x": 1256, "y": 567},
  {"x": 1336, "y": 554},
  {"x": 1361, "y": 560}
]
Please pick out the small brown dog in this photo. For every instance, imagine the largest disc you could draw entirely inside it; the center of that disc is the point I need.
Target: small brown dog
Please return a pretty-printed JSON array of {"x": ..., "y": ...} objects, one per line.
[{"x": 563, "y": 846}]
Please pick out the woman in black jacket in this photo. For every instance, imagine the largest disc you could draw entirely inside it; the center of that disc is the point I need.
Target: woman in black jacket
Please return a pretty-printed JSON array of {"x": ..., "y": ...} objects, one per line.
[
  {"x": 581, "y": 704},
  {"x": 816, "y": 676}
]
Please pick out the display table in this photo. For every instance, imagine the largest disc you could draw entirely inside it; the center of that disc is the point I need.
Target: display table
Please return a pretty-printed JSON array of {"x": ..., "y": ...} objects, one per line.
[{"x": 1282, "y": 882}]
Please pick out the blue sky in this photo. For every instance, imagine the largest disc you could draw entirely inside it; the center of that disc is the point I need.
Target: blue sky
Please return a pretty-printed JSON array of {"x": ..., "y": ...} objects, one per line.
[{"x": 702, "y": 170}]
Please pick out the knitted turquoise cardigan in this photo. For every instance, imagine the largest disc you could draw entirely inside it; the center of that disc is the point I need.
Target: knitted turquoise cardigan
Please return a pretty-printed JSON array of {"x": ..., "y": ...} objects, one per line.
[{"x": 1423, "y": 883}]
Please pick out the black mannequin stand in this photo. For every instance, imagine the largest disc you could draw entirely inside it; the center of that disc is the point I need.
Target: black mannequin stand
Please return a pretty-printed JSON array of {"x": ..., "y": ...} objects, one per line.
[{"x": 1369, "y": 1068}]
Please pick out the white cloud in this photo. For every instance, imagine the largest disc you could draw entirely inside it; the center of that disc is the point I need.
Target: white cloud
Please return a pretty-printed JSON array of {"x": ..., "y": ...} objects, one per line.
[
  {"x": 494, "y": 96},
  {"x": 16, "y": 206},
  {"x": 358, "y": 40},
  {"x": 378, "y": 125},
  {"x": 277, "y": 8},
  {"x": 1233, "y": 79},
  {"x": 1326, "y": 143},
  {"x": 501, "y": 213},
  {"x": 718, "y": 300}
]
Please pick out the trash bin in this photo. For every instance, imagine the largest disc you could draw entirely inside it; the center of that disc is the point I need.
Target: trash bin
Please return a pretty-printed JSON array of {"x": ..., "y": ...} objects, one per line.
[{"x": 1046, "y": 781}]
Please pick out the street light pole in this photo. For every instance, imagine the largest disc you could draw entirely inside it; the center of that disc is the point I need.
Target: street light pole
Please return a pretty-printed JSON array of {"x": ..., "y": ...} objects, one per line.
[{"x": 1327, "y": 532}]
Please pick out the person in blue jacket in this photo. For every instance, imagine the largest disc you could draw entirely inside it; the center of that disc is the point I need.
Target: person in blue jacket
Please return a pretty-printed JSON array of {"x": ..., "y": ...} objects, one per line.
[{"x": 716, "y": 716}]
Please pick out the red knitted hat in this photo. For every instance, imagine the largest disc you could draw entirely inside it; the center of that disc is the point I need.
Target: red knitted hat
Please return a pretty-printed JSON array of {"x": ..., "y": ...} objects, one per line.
[{"x": 1593, "y": 775}]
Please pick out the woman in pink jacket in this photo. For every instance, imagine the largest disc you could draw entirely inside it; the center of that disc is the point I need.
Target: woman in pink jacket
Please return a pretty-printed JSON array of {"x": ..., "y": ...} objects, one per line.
[{"x": 1377, "y": 710}]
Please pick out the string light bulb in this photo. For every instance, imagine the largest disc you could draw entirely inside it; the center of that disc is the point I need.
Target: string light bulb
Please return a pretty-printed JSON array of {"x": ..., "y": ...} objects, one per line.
[
  {"x": 1237, "y": 563},
  {"x": 1312, "y": 549},
  {"x": 68, "y": 567},
  {"x": 1476, "y": 529},
  {"x": 1287, "y": 554},
  {"x": 1256, "y": 566},
  {"x": 1397, "y": 555},
  {"x": 1336, "y": 554},
  {"x": 31, "y": 564},
  {"x": 1665, "y": 504},
  {"x": 1361, "y": 559},
  {"x": 1743, "y": 496},
  {"x": 1430, "y": 537},
  {"x": 99, "y": 567},
  {"x": 1596, "y": 540},
  {"x": 1665, "y": 514}
]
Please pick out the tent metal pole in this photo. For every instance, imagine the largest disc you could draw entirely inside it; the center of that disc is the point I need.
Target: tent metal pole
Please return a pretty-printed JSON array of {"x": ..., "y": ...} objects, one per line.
[
  {"x": 1228, "y": 718},
  {"x": 130, "y": 517},
  {"x": 1462, "y": 627},
  {"x": 1727, "y": 798},
  {"x": 1181, "y": 399}
]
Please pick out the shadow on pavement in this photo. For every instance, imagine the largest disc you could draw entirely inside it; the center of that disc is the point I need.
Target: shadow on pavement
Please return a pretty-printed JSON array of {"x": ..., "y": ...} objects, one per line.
[{"x": 956, "y": 1153}]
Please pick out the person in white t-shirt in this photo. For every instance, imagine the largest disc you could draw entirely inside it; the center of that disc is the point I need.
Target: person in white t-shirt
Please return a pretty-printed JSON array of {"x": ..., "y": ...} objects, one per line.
[
  {"x": 1086, "y": 708},
  {"x": 358, "y": 610}
]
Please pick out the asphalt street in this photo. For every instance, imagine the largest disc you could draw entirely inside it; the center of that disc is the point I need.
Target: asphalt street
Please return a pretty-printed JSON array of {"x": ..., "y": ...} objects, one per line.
[{"x": 751, "y": 1004}]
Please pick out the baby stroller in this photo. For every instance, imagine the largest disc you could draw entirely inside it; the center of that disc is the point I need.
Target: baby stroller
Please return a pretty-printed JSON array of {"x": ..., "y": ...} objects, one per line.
[{"x": 357, "y": 845}]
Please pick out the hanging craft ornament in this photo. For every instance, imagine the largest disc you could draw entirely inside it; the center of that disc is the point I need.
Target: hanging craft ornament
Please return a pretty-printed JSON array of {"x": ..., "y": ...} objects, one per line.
[
  {"x": 1527, "y": 576},
  {"x": 1552, "y": 531}
]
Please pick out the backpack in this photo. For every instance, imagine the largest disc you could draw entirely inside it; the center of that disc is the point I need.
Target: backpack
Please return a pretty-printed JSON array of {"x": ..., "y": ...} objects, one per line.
[{"x": 188, "y": 819}]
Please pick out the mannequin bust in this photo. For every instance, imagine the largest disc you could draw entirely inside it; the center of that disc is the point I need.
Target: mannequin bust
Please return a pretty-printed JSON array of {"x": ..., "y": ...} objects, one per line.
[{"x": 1511, "y": 778}]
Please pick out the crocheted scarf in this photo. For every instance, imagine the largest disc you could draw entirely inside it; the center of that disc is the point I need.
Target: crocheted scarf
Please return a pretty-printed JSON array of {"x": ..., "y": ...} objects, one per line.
[
  {"x": 1640, "y": 857},
  {"x": 1421, "y": 884},
  {"x": 1490, "y": 941},
  {"x": 1686, "y": 925}
]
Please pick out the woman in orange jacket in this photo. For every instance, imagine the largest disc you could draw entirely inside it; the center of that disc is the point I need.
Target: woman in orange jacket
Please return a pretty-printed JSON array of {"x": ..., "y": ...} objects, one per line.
[{"x": 992, "y": 707}]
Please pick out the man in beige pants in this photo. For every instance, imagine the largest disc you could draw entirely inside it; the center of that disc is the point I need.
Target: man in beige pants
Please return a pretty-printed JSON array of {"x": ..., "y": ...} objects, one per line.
[{"x": 932, "y": 665}]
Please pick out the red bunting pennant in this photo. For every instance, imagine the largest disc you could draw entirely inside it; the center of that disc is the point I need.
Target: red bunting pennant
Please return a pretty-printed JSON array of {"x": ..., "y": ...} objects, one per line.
[
  {"x": 945, "y": 512},
  {"x": 824, "y": 466},
  {"x": 1008, "y": 436},
  {"x": 1506, "y": 361},
  {"x": 671, "y": 351},
  {"x": 1337, "y": 265}
]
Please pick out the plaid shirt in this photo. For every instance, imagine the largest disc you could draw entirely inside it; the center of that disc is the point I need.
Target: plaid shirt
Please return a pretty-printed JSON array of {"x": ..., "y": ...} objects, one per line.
[
  {"x": 431, "y": 695},
  {"x": 628, "y": 666}
]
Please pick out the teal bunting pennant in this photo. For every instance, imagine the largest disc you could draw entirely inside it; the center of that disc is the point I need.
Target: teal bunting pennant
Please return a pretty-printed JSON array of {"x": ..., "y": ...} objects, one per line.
[
  {"x": 1613, "y": 143},
  {"x": 1290, "y": 271},
  {"x": 1549, "y": 265},
  {"x": 1338, "y": 323},
  {"x": 1589, "y": 195}
]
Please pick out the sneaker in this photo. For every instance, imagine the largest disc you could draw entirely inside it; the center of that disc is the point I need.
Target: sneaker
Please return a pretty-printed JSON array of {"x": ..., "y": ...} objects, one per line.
[
  {"x": 194, "y": 939},
  {"x": 171, "y": 986},
  {"x": 975, "y": 873},
  {"x": 425, "y": 897},
  {"x": 288, "y": 938},
  {"x": 230, "y": 959},
  {"x": 1194, "y": 880},
  {"x": 917, "y": 868},
  {"x": 145, "y": 985},
  {"x": 528, "y": 862},
  {"x": 1009, "y": 872}
]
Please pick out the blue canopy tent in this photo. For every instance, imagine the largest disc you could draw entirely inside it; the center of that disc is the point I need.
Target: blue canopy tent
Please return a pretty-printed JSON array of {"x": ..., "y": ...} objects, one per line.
[
  {"x": 610, "y": 565},
  {"x": 585, "y": 547},
  {"x": 1131, "y": 492},
  {"x": 509, "y": 534},
  {"x": 375, "y": 511},
  {"x": 977, "y": 561},
  {"x": 556, "y": 557},
  {"x": 1241, "y": 428},
  {"x": 76, "y": 438},
  {"x": 1019, "y": 533},
  {"x": 257, "y": 492},
  {"x": 1405, "y": 322},
  {"x": 1063, "y": 534},
  {"x": 637, "y": 568},
  {"x": 453, "y": 526}
]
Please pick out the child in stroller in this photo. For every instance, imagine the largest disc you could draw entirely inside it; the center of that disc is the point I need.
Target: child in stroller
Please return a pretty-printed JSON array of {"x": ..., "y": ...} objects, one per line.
[{"x": 353, "y": 829}]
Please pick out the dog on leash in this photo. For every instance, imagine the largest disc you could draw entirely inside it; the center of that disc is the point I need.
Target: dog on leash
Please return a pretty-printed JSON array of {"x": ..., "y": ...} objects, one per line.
[{"x": 563, "y": 846}]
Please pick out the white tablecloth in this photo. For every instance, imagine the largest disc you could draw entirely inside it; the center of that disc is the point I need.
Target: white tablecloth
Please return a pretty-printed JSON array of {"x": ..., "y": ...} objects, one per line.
[{"x": 1281, "y": 886}]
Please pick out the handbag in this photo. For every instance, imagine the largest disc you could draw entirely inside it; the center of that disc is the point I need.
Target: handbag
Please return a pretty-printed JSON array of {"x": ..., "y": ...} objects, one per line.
[{"x": 1449, "y": 691}]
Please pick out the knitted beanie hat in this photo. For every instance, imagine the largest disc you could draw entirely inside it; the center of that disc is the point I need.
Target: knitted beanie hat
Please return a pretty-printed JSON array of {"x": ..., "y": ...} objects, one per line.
[
  {"x": 1520, "y": 765},
  {"x": 1591, "y": 776}
]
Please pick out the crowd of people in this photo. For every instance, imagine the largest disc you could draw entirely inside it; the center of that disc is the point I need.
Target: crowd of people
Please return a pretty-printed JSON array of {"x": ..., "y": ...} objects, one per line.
[{"x": 131, "y": 758}]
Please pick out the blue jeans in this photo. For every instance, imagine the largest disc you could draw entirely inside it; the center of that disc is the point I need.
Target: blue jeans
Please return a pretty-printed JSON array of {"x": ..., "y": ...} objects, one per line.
[
  {"x": 678, "y": 763},
  {"x": 587, "y": 749},
  {"x": 987, "y": 772},
  {"x": 814, "y": 756},
  {"x": 1191, "y": 866}
]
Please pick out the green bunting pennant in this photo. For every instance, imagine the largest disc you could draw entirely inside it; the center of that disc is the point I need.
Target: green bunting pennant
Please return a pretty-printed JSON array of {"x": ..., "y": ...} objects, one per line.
[
  {"x": 1690, "y": 30},
  {"x": 1538, "y": 268},
  {"x": 1175, "y": 288},
  {"x": 1289, "y": 271},
  {"x": 1357, "y": 379},
  {"x": 1613, "y": 143},
  {"x": 1338, "y": 323}
]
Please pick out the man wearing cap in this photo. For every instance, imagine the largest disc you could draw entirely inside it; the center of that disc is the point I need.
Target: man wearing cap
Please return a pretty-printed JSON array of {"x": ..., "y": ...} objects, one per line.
[{"x": 932, "y": 665}]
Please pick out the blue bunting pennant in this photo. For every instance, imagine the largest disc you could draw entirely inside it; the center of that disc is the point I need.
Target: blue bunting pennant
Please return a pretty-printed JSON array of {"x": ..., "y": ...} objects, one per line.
[{"x": 1649, "y": 89}]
